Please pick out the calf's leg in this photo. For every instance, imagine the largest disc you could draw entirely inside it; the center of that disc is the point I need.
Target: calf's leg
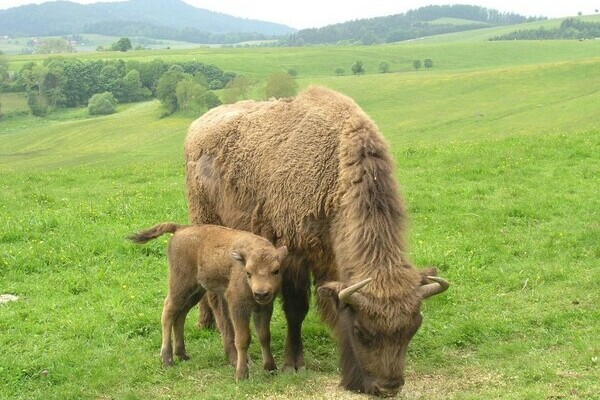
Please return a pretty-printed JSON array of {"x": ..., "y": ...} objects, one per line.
[
  {"x": 218, "y": 303},
  {"x": 262, "y": 322},
  {"x": 240, "y": 315},
  {"x": 169, "y": 314},
  {"x": 179, "y": 325}
]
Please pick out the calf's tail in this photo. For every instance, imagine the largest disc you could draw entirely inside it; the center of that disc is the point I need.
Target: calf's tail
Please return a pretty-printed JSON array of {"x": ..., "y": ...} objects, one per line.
[{"x": 154, "y": 232}]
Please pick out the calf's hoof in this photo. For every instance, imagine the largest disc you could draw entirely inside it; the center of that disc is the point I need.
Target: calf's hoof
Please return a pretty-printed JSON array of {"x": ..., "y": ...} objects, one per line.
[{"x": 183, "y": 356}]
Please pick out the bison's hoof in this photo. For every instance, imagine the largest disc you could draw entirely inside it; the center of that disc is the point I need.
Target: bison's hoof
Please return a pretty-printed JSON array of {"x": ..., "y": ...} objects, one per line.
[
  {"x": 271, "y": 367},
  {"x": 239, "y": 376}
]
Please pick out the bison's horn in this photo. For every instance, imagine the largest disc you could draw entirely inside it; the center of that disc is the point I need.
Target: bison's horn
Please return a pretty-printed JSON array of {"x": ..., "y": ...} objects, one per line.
[
  {"x": 349, "y": 295},
  {"x": 431, "y": 289}
]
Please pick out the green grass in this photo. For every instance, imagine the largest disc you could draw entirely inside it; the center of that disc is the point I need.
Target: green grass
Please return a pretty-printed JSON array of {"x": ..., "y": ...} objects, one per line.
[
  {"x": 12, "y": 103},
  {"x": 498, "y": 159}
]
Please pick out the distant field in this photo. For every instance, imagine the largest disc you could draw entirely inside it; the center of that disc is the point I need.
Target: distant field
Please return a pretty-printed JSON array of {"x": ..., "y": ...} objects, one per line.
[
  {"x": 497, "y": 152},
  {"x": 13, "y": 102},
  {"x": 92, "y": 41}
]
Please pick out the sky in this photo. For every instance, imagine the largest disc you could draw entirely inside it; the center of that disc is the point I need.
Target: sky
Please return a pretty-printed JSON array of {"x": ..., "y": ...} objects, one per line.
[{"x": 302, "y": 14}]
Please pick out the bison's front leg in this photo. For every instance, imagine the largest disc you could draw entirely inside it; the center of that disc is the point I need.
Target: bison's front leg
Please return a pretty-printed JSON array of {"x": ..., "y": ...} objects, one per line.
[{"x": 296, "y": 292}]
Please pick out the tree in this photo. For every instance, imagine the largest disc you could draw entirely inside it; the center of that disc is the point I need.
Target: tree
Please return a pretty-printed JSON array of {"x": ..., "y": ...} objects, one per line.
[
  {"x": 43, "y": 85},
  {"x": 122, "y": 44},
  {"x": 384, "y": 67},
  {"x": 417, "y": 64},
  {"x": 3, "y": 70},
  {"x": 211, "y": 100},
  {"x": 190, "y": 95},
  {"x": 428, "y": 63},
  {"x": 110, "y": 80},
  {"x": 102, "y": 104},
  {"x": 280, "y": 84},
  {"x": 166, "y": 90},
  {"x": 357, "y": 68},
  {"x": 236, "y": 89},
  {"x": 132, "y": 88},
  {"x": 215, "y": 84},
  {"x": 55, "y": 45},
  {"x": 369, "y": 38}
]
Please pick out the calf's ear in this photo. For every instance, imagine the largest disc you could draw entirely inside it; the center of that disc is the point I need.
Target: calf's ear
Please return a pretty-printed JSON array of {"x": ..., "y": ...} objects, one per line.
[
  {"x": 282, "y": 253},
  {"x": 239, "y": 256}
]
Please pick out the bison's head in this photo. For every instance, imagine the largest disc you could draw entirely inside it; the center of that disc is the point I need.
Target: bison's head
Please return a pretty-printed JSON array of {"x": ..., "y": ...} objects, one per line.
[
  {"x": 373, "y": 347},
  {"x": 263, "y": 271}
]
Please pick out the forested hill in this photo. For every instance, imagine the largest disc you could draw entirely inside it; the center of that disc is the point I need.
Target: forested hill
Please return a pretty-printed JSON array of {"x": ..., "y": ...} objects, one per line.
[
  {"x": 173, "y": 16},
  {"x": 425, "y": 21}
]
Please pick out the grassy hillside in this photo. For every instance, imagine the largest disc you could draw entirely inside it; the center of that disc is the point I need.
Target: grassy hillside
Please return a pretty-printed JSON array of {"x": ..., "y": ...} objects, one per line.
[{"x": 497, "y": 150}]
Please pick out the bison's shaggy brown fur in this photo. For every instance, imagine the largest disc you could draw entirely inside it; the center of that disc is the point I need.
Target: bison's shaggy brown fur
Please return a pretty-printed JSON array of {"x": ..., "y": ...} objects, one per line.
[
  {"x": 314, "y": 173},
  {"x": 241, "y": 266}
]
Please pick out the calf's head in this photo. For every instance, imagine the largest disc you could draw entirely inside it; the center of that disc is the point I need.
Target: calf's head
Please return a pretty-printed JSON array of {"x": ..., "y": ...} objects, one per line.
[
  {"x": 372, "y": 346},
  {"x": 263, "y": 270}
]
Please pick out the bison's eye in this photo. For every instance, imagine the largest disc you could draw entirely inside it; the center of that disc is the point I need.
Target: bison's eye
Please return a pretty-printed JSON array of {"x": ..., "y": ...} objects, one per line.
[
  {"x": 364, "y": 336},
  {"x": 249, "y": 275},
  {"x": 276, "y": 272}
]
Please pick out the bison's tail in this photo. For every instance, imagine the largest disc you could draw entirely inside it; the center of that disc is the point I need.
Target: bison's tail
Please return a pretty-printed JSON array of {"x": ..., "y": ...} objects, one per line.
[{"x": 154, "y": 232}]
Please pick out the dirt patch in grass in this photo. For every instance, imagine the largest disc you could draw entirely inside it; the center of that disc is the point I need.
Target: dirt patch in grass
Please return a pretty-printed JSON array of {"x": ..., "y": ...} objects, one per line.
[{"x": 418, "y": 386}]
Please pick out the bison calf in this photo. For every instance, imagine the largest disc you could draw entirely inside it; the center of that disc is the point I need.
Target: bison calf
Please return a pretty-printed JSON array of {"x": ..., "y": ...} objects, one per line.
[{"x": 244, "y": 267}]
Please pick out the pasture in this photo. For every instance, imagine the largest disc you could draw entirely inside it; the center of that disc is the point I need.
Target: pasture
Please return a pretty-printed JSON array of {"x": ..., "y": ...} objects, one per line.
[{"x": 497, "y": 152}]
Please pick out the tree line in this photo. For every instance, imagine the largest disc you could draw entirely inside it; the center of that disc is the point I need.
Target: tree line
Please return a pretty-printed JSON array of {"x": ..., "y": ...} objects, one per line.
[
  {"x": 61, "y": 82},
  {"x": 570, "y": 28}
]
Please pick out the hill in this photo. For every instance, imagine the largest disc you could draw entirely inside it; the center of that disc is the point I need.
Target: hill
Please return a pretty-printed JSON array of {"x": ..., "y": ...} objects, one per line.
[
  {"x": 160, "y": 19},
  {"x": 424, "y": 21}
]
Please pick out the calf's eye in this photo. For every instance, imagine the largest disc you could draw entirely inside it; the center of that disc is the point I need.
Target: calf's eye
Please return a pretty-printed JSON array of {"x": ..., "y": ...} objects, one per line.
[
  {"x": 249, "y": 275},
  {"x": 276, "y": 272}
]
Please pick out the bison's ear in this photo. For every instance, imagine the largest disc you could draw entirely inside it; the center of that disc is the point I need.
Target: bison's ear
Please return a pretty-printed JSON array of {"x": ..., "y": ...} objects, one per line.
[
  {"x": 239, "y": 256},
  {"x": 425, "y": 272},
  {"x": 329, "y": 292},
  {"x": 344, "y": 294},
  {"x": 282, "y": 253}
]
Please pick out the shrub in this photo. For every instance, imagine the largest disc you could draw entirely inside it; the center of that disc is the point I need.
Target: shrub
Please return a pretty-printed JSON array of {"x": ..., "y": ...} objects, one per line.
[
  {"x": 384, "y": 67},
  {"x": 211, "y": 100},
  {"x": 102, "y": 104},
  {"x": 357, "y": 68},
  {"x": 339, "y": 71},
  {"x": 280, "y": 84}
]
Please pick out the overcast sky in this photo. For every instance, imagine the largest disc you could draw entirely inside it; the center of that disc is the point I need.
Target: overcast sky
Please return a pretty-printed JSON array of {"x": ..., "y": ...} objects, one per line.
[{"x": 315, "y": 13}]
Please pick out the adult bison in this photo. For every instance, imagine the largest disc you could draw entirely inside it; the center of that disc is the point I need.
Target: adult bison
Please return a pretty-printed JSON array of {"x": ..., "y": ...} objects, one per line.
[{"x": 313, "y": 173}]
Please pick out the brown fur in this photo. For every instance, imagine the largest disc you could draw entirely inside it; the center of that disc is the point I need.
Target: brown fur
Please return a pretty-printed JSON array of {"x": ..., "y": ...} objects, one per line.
[
  {"x": 241, "y": 266},
  {"x": 314, "y": 173}
]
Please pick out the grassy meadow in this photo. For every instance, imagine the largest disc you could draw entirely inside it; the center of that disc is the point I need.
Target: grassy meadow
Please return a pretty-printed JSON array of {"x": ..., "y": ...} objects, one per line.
[{"x": 497, "y": 150}]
